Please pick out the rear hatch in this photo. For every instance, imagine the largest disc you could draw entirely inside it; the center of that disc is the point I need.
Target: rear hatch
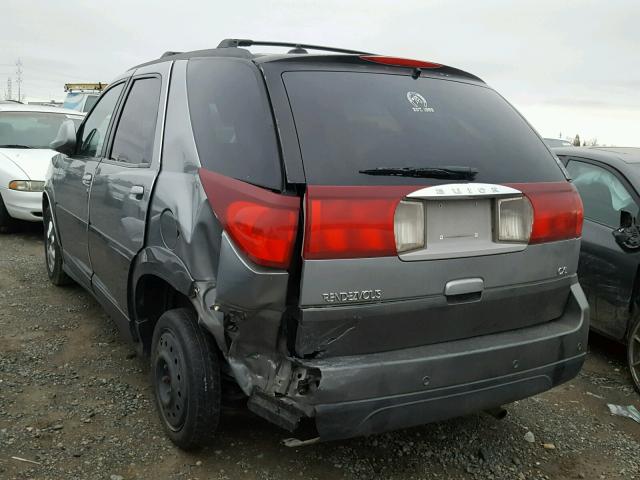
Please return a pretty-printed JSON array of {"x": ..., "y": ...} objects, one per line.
[{"x": 432, "y": 212}]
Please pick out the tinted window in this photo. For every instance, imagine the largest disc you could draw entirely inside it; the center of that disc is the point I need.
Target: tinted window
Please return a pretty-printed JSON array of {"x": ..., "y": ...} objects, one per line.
[
  {"x": 603, "y": 194},
  {"x": 90, "y": 102},
  {"x": 96, "y": 124},
  {"x": 232, "y": 121},
  {"x": 32, "y": 129},
  {"x": 348, "y": 122},
  {"x": 133, "y": 140}
]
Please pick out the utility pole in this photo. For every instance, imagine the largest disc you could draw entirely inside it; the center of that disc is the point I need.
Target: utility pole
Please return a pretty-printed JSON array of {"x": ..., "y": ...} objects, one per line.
[
  {"x": 19, "y": 78},
  {"x": 8, "y": 94}
]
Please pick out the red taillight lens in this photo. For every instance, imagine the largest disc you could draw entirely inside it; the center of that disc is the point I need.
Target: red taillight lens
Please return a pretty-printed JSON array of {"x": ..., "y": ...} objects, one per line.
[
  {"x": 557, "y": 210},
  {"x": 262, "y": 223},
  {"x": 351, "y": 222},
  {"x": 400, "y": 62}
]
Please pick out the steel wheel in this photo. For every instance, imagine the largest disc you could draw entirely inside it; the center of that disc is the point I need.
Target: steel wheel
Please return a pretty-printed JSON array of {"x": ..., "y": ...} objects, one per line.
[
  {"x": 171, "y": 387},
  {"x": 633, "y": 354},
  {"x": 186, "y": 379},
  {"x": 50, "y": 245},
  {"x": 52, "y": 251}
]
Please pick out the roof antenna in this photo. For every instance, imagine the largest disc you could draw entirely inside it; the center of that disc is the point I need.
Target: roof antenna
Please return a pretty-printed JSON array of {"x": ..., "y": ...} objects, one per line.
[{"x": 297, "y": 49}]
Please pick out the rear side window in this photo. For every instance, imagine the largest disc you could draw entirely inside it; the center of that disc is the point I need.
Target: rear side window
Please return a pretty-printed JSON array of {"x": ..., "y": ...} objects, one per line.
[
  {"x": 349, "y": 121},
  {"x": 232, "y": 121},
  {"x": 133, "y": 141}
]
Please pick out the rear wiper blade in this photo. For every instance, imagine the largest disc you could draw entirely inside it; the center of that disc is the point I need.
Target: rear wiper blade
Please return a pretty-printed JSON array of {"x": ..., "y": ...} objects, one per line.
[
  {"x": 15, "y": 146},
  {"x": 446, "y": 173}
]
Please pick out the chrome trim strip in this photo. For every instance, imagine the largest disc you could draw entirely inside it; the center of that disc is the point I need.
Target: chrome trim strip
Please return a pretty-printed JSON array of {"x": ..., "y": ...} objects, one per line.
[{"x": 464, "y": 190}]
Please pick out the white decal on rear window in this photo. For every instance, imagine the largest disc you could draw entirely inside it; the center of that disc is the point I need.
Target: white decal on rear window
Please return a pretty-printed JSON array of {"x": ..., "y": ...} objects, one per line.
[{"x": 418, "y": 102}]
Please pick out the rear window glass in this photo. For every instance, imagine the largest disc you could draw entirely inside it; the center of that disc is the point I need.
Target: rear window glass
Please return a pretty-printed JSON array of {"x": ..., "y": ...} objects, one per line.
[
  {"x": 348, "y": 122},
  {"x": 232, "y": 121}
]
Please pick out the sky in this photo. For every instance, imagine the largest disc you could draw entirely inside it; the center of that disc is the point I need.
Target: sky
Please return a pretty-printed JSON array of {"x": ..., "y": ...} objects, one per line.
[{"x": 568, "y": 66}]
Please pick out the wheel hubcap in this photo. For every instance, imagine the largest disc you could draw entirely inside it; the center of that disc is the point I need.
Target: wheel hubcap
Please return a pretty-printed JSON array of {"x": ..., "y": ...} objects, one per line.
[
  {"x": 51, "y": 246},
  {"x": 170, "y": 384}
]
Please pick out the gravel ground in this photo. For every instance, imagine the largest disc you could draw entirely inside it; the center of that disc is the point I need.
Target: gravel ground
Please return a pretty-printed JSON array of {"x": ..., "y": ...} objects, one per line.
[{"x": 75, "y": 403}]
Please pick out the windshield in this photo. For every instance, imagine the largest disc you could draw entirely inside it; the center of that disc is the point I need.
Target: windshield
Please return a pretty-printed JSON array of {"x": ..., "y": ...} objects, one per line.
[
  {"x": 348, "y": 122},
  {"x": 31, "y": 129},
  {"x": 73, "y": 101}
]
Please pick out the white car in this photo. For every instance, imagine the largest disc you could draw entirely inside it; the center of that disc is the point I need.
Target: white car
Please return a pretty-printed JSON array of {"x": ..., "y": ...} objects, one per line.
[{"x": 25, "y": 134}]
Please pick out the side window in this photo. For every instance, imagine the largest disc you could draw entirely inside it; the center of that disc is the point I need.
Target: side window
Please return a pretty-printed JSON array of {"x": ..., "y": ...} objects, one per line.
[
  {"x": 603, "y": 194},
  {"x": 96, "y": 124},
  {"x": 232, "y": 121},
  {"x": 133, "y": 140}
]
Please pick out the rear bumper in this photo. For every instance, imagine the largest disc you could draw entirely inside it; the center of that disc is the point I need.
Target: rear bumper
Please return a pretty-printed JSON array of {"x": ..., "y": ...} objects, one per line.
[
  {"x": 360, "y": 395},
  {"x": 23, "y": 205}
]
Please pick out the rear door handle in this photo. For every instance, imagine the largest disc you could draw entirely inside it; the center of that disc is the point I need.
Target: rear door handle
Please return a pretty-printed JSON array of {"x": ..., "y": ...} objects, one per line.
[
  {"x": 136, "y": 192},
  {"x": 86, "y": 179},
  {"x": 464, "y": 286}
]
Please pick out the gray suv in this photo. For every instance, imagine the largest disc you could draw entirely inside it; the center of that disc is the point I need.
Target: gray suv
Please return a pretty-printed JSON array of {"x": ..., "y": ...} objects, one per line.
[{"x": 350, "y": 243}]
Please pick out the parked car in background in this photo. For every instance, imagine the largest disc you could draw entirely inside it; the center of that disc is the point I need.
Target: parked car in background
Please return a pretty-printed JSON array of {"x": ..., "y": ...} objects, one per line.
[
  {"x": 557, "y": 142},
  {"x": 25, "y": 134},
  {"x": 608, "y": 180},
  {"x": 82, "y": 96},
  {"x": 401, "y": 249}
]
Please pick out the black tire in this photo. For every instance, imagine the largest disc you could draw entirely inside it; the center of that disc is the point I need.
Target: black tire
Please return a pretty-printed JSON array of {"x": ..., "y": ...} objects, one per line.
[
  {"x": 7, "y": 223},
  {"x": 53, "y": 252},
  {"x": 185, "y": 372},
  {"x": 633, "y": 352}
]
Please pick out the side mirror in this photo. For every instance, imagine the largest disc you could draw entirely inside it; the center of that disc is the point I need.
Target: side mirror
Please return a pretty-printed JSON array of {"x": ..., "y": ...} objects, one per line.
[
  {"x": 65, "y": 141},
  {"x": 628, "y": 235},
  {"x": 626, "y": 219}
]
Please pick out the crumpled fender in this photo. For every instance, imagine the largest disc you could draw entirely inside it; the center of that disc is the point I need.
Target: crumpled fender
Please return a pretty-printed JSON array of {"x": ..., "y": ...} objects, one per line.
[{"x": 246, "y": 309}]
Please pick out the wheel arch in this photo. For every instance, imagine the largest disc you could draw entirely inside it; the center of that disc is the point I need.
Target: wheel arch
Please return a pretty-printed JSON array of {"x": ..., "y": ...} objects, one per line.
[{"x": 159, "y": 281}]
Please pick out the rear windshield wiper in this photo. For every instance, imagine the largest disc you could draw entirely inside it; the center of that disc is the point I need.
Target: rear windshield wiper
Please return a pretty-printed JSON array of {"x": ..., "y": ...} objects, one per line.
[
  {"x": 445, "y": 173},
  {"x": 15, "y": 146}
]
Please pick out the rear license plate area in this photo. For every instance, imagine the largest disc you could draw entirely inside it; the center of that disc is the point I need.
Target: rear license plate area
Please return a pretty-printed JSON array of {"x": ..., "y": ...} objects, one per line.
[
  {"x": 458, "y": 225},
  {"x": 459, "y": 228}
]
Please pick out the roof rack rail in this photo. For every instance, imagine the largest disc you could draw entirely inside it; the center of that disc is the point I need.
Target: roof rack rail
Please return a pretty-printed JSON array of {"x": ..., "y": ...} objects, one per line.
[
  {"x": 169, "y": 54},
  {"x": 242, "y": 42}
]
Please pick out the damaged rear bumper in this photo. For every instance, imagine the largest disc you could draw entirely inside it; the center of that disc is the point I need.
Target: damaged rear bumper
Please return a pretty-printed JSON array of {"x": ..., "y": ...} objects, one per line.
[
  {"x": 361, "y": 395},
  {"x": 345, "y": 394}
]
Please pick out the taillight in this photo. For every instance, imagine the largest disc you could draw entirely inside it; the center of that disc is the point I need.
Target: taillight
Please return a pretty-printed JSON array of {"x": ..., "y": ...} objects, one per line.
[
  {"x": 514, "y": 219},
  {"x": 351, "y": 222},
  {"x": 262, "y": 223},
  {"x": 557, "y": 210},
  {"x": 408, "y": 226},
  {"x": 362, "y": 221},
  {"x": 399, "y": 62}
]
